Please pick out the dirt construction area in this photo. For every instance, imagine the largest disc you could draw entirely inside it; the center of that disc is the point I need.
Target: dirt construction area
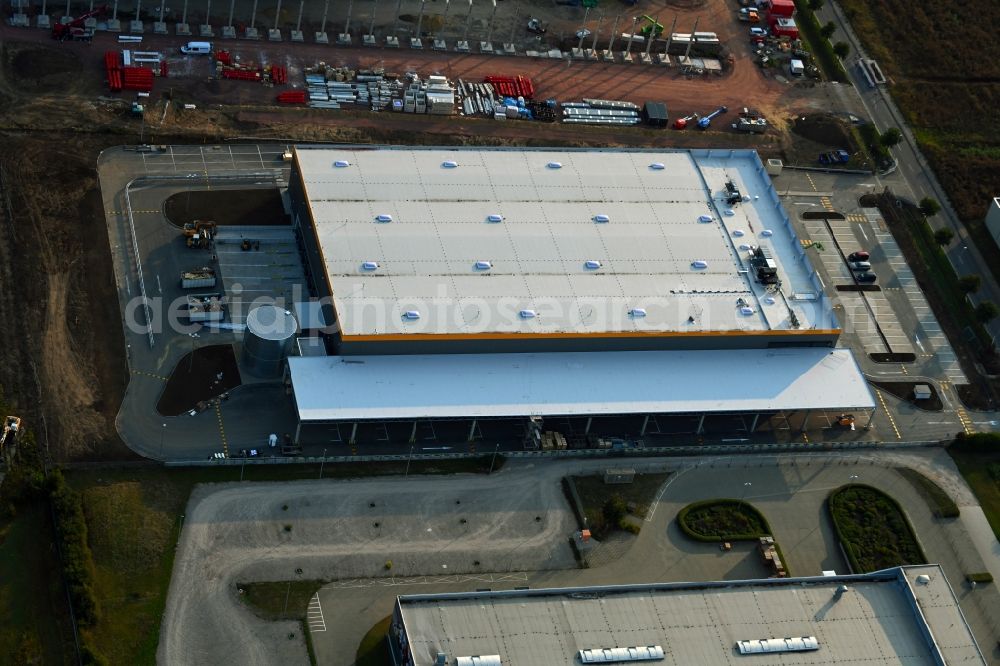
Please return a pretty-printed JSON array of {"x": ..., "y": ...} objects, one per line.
[
  {"x": 64, "y": 363},
  {"x": 352, "y": 529}
]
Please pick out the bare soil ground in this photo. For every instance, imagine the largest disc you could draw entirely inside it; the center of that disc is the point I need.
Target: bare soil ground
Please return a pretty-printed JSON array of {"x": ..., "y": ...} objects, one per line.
[
  {"x": 196, "y": 378},
  {"x": 59, "y": 322},
  {"x": 247, "y": 207}
]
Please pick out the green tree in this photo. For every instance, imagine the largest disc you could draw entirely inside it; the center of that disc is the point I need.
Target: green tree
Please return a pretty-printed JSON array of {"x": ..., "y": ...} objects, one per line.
[
  {"x": 929, "y": 207},
  {"x": 828, "y": 29},
  {"x": 614, "y": 510},
  {"x": 944, "y": 236},
  {"x": 970, "y": 284},
  {"x": 841, "y": 49},
  {"x": 891, "y": 137},
  {"x": 987, "y": 311}
]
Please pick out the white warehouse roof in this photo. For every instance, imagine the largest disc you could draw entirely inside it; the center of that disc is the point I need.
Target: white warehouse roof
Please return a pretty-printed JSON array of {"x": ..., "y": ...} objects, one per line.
[
  {"x": 575, "y": 383},
  {"x": 889, "y": 618},
  {"x": 467, "y": 239}
]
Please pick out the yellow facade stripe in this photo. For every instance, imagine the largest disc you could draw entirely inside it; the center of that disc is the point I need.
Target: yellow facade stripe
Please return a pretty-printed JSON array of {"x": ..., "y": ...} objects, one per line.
[{"x": 397, "y": 337}]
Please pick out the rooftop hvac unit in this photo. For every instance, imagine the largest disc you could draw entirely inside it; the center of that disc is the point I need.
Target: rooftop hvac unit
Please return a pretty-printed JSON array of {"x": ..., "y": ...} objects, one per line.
[
  {"x": 771, "y": 645},
  {"x": 484, "y": 660},
  {"x": 621, "y": 654}
]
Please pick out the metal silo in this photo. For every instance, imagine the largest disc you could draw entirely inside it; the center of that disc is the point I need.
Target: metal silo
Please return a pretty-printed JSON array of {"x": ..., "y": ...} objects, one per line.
[{"x": 268, "y": 339}]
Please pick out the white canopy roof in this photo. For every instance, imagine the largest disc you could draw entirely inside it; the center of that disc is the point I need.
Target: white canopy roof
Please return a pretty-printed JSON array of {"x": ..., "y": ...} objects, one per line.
[{"x": 345, "y": 388}]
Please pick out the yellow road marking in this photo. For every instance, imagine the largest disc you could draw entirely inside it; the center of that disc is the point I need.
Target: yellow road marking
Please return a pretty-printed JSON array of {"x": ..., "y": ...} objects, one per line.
[
  {"x": 149, "y": 374},
  {"x": 885, "y": 409},
  {"x": 222, "y": 428}
]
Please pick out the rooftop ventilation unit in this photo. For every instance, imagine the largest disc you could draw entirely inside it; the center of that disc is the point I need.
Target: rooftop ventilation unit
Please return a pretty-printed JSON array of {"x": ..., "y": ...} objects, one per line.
[
  {"x": 705, "y": 218},
  {"x": 593, "y": 264},
  {"x": 411, "y": 315},
  {"x": 729, "y": 212},
  {"x": 733, "y": 194},
  {"x": 602, "y": 218},
  {"x": 484, "y": 265},
  {"x": 370, "y": 265},
  {"x": 699, "y": 264},
  {"x": 340, "y": 164},
  {"x": 772, "y": 645},
  {"x": 528, "y": 314},
  {"x": 495, "y": 218},
  {"x": 765, "y": 268},
  {"x": 449, "y": 164},
  {"x": 637, "y": 313},
  {"x": 621, "y": 654},
  {"x": 484, "y": 660},
  {"x": 383, "y": 218},
  {"x": 738, "y": 232},
  {"x": 769, "y": 300},
  {"x": 767, "y": 233},
  {"x": 555, "y": 165},
  {"x": 746, "y": 310},
  {"x": 657, "y": 166}
]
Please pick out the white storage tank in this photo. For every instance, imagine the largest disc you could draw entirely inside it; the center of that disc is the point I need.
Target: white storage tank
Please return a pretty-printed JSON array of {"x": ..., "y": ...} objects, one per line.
[{"x": 268, "y": 339}]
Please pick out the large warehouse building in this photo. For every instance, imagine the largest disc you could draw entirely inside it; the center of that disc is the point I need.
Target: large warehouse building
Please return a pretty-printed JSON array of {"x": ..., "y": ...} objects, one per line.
[
  {"x": 904, "y": 616},
  {"x": 469, "y": 285}
]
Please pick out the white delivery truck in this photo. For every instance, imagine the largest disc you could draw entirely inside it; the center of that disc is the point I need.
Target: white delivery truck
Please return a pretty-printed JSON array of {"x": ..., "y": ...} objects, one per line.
[{"x": 197, "y": 48}]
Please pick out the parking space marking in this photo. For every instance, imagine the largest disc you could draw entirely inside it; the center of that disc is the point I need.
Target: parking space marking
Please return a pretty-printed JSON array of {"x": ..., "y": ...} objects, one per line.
[{"x": 314, "y": 615}]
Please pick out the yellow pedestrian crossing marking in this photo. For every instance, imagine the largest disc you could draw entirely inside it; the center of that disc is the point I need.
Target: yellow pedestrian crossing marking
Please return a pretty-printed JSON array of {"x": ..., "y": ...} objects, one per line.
[
  {"x": 222, "y": 428},
  {"x": 149, "y": 374},
  {"x": 806, "y": 242},
  {"x": 827, "y": 204},
  {"x": 856, "y": 218},
  {"x": 966, "y": 421}
]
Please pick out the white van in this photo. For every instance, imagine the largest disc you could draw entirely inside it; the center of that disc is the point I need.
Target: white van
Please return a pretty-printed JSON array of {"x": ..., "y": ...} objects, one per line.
[{"x": 197, "y": 48}]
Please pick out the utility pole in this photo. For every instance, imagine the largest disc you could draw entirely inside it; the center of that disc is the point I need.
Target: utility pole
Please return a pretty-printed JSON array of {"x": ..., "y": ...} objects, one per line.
[
  {"x": 631, "y": 35},
  {"x": 687, "y": 51},
  {"x": 614, "y": 34},
  {"x": 652, "y": 34},
  {"x": 597, "y": 30},
  {"x": 468, "y": 21},
  {"x": 586, "y": 14},
  {"x": 670, "y": 37}
]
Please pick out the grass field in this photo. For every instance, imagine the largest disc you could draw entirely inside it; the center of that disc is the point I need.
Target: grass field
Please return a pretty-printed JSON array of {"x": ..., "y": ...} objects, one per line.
[
  {"x": 940, "y": 503},
  {"x": 280, "y": 600},
  {"x": 34, "y": 620},
  {"x": 372, "y": 651},
  {"x": 948, "y": 89},
  {"x": 981, "y": 470},
  {"x": 134, "y": 517},
  {"x": 872, "y": 529}
]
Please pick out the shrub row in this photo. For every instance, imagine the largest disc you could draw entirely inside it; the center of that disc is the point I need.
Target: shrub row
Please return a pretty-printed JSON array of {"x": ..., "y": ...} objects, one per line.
[
  {"x": 982, "y": 577},
  {"x": 882, "y": 538},
  {"x": 980, "y": 442},
  {"x": 810, "y": 28},
  {"x": 873, "y": 142},
  {"x": 77, "y": 560},
  {"x": 684, "y": 518}
]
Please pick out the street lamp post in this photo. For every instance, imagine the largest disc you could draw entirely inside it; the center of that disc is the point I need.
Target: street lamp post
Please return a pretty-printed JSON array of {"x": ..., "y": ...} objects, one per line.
[
  {"x": 746, "y": 487},
  {"x": 494, "y": 459},
  {"x": 321, "y": 463},
  {"x": 163, "y": 430},
  {"x": 408, "y": 458}
]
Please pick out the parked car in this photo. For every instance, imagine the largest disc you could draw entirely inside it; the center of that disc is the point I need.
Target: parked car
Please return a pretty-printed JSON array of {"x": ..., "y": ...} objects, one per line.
[
  {"x": 865, "y": 278},
  {"x": 860, "y": 255},
  {"x": 758, "y": 32},
  {"x": 862, "y": 266}
]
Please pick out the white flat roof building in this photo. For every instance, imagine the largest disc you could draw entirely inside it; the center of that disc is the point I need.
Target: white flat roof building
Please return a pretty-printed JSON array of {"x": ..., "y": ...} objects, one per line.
[
  {"x": 907, "y": 616},
  {"x": 449, "y": 386},
  {"x": 449, "y": 244}
]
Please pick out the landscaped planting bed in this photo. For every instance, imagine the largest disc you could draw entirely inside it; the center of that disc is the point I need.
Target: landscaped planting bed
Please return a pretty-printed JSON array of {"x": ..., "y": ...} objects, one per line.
[{"x": 873, "y": 529}]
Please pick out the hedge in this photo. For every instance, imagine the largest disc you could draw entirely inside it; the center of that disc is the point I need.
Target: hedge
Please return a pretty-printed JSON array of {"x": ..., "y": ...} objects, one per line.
[
  {"x": 878, "y": 551},
  {"x": 809, "y": 26},
  {"x": 942, "y": 505},
  {"x": 77, "y": 560},
  {"x": 984, "y": 577},
  {"x": 682, "y": 521}
]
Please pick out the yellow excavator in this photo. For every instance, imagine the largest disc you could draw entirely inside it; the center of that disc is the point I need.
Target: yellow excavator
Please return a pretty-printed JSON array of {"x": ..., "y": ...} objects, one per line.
[{"x": 198, "y": 233}]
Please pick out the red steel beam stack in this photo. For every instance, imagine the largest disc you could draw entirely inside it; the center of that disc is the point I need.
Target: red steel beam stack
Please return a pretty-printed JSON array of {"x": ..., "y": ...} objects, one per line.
[
  {"x": 512, "y": 86},
  {"x": 241, "y": 74},
  {"x": 279, "y": 75},
  {"x": 113, "y": 68},
  {"x": 137, "y": 78},
  {"x": 223, "y": 57},
  {"x": 292, "y": 97}
]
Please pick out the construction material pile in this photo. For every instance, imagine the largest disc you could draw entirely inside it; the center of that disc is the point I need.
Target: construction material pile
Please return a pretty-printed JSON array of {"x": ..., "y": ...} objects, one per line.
[
  {"x": 121, "y": 77},
  {"x": 496, "y": 98},
  {"x": 230, "y": 67},
  {"x": 600, "y": 112},
  {"x": 336, "y": 87}
]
